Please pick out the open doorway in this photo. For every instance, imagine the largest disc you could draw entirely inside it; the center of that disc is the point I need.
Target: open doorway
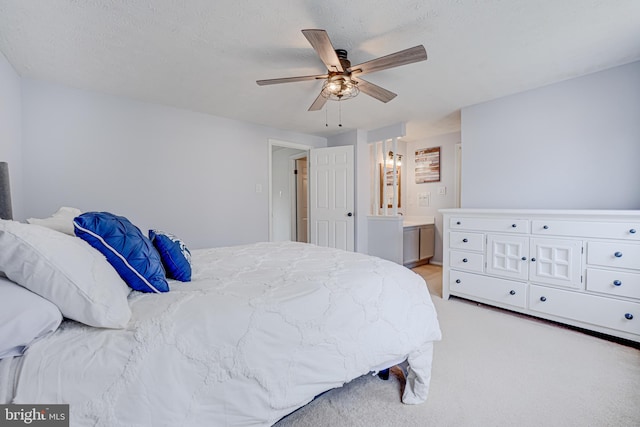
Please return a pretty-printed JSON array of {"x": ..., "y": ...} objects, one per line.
[
  {"x": 288, "y": 192},
  {"x": 300, "y": 200}
]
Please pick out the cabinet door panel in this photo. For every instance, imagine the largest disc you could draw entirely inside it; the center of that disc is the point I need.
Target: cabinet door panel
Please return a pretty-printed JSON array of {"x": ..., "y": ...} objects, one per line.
[
  {"x": 466, "y": 261},
  {"x": 507, "y": 256},
  {"x": 410, "y": 242},
  {"x": 502, "y": 225},
  {"x": 489, "y": 288},
  {"x": 556, "y": 262},
  {"x": 466, "y": 240},
  {"x": 614, "y": 254},
  {"x": 601, "y": 311},
  {"x": 427, "y": 242},
  {"x": 606, "y": 230},
  {"x": 612, "y": 282}
]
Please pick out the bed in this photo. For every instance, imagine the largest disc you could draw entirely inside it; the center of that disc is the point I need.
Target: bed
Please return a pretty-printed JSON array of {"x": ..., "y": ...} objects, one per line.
[{"x": 259, "y": 331}]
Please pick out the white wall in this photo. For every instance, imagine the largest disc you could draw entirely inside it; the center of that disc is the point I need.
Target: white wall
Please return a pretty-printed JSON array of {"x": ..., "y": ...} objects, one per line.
[
  {"x": 191, "y": 174},
  {"x": 447, "y": 144},
  {"x": 10, "y": 131},
  {"x": 573, "y": 145}
]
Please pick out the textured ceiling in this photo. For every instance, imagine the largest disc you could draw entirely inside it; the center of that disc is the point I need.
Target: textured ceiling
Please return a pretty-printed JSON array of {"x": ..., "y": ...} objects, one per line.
[{"x": 205, "y": 55}]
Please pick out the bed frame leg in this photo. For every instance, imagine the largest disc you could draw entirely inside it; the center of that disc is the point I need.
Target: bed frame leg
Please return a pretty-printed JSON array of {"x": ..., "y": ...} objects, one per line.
[{"x": 384, "y": 374}]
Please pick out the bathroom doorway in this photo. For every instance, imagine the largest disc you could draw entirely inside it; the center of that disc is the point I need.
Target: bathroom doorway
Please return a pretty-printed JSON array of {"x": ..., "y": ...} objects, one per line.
[
  {"x": 288, "y": 192},
  {"x": 300, "y": 200}
]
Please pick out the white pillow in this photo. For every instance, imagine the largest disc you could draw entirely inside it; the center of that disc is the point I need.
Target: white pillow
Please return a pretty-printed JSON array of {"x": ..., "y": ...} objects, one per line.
[
  {"x": 65, "y": 270},
  {"x": 60, "y": 221},
  {"x": 24, "y": 318}
]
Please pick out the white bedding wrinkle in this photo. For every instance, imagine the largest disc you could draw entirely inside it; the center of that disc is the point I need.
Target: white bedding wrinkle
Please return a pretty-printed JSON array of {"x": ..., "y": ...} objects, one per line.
[{"x": 260, "y": 331}]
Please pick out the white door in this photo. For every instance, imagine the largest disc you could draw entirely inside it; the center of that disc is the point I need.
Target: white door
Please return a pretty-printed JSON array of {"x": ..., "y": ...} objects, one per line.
[{"x": 331, "y": 197}]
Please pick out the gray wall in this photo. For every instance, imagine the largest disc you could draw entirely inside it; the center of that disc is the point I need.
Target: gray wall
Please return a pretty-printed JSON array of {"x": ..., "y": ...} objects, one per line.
[
  {"x": 187, "y": 173},
  {"x": 447, "y": 144},
  {"x": 10, "y": 131},
  {"x": 570, "y": 145}
]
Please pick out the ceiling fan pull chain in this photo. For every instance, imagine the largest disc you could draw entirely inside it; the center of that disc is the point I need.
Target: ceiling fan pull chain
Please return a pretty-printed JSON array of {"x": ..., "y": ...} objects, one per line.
[
  {"x": 340, "y": 113},
  {"x": 326, "y": 116}
]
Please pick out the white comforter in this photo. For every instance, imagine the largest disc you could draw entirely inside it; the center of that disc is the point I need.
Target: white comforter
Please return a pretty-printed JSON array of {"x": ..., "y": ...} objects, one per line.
[{"x": 259, "y": 332}]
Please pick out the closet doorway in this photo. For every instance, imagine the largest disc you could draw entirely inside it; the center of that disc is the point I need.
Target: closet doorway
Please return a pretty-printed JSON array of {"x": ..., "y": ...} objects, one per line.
[
  {"x": 288, "y": 192},
  {"x": 300, "y": 202}
]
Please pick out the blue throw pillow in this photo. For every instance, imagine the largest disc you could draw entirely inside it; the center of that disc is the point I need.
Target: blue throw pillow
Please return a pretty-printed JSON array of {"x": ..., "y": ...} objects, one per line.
[
  {"x": 125, "y": 247},
  {"x": 175, "y": 255}
]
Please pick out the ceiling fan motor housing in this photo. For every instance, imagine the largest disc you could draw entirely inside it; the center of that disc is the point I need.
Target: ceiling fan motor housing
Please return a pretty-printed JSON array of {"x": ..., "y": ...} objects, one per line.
[{"x": 342, "y": 56}]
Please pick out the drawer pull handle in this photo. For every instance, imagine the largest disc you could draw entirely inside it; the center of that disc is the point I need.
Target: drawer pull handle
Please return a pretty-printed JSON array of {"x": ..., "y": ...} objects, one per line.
[
  {"x": 632, "y": 231},
  {"x": 543, "y": 299},
  {"x": 465, "y": 240},
  {"x": 524, "y": 258},
  {"x": 514, "y": 225},
  {"x": 458, "y": 280},
  {"x": 628, "y": 316},
  {"x": 617, "y": 283},
  {"x": 465, "y": 260},
  {"x": 546, "y": 227},
  {"x": 533, "y": 260},
  {"x": 512, "y": 292},
  {"x": 618, "y": 254},
  {"x": 458, "y": 223}
]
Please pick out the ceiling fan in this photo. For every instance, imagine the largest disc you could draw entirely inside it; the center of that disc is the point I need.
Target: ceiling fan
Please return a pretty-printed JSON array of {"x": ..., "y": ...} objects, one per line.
[{"x": 342, "y": 80}]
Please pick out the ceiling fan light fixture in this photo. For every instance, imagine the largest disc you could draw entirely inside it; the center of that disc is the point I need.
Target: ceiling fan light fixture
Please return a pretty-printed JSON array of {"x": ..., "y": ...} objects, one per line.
[{"x": 340, "y": 87}]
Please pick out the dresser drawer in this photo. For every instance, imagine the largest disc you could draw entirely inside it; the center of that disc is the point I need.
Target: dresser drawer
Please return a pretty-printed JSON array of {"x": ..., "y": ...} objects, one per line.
[
  {"x": 466, "y": 261},
  {"x": 467, "y": 241},
  {"x": 489, "y": 288},
  {"x": 503, "y": 225},
  {"x": 592, "y": 309},
  {"x": 618, "y": 283},
  {"x": 613, "y": 254},
  {"x": 605, "y": 230}
]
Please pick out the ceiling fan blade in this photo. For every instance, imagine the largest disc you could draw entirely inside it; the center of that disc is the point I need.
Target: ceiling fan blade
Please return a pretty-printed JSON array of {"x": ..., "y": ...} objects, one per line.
[
  {"x": 404, "y": 57},
  {"x": 375, "y": 91},
  {"x": 320, "y": 42},
  {"x": 290, "y": 80},
  {"x": 318, "y": 103}
]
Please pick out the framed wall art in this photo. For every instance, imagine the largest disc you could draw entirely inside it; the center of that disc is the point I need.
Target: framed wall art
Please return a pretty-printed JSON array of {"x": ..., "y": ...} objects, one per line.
[{"x": 427, "y": 165}]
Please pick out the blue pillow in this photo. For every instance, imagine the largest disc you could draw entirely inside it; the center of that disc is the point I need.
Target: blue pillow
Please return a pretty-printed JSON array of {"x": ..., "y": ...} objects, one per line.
[
  {"x": 125, "y": 247},
  {"x": 176, "y": 257}
]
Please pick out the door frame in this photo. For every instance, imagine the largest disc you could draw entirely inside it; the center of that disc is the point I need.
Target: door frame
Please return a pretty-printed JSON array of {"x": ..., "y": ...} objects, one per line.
[{"x": 285, "y": 144}]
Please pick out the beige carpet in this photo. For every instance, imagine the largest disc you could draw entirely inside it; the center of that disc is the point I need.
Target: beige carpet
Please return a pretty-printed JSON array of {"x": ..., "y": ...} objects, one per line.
[{"x": 495, "y": 368}]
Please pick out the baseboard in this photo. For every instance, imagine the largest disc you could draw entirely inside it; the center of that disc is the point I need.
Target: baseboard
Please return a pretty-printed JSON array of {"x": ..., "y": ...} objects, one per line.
[{"x": 426, "y": 261}]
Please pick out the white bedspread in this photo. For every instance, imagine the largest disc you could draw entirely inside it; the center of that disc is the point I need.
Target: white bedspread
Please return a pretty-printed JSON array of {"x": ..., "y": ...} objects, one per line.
[{"x": 259, "y": 332}]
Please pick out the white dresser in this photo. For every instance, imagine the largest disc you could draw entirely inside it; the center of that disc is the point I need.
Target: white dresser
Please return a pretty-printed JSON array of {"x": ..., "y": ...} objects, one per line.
[{"x": 580, "y": 268}]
